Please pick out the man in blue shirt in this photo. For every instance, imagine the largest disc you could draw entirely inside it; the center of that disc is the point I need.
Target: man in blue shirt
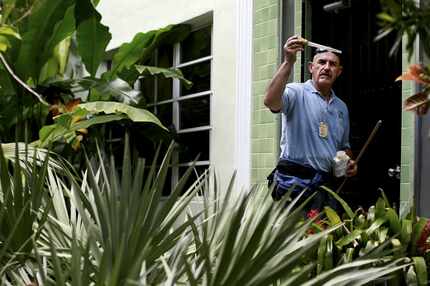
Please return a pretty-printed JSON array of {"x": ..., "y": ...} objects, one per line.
[{"x": 317, "y": 122}]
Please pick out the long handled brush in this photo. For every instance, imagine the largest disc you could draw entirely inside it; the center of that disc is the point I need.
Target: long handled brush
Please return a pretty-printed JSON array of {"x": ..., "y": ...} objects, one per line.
[{"x": 369, "y": 139}]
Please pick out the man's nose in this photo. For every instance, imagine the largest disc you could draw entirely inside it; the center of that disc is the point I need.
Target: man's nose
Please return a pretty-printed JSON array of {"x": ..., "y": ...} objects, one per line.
[{"x": 326, "y": 66}]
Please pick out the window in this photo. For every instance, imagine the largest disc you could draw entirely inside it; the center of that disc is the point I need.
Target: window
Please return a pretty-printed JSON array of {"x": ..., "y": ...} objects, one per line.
[{"x": 187, "y": 111}]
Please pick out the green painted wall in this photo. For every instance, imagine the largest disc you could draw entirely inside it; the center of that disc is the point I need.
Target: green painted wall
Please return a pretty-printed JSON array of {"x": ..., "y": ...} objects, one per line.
[
  {"x": 267, "y": 49},
  {"x": 407, "y": 143},
  {"x": 265, "y": 127}
]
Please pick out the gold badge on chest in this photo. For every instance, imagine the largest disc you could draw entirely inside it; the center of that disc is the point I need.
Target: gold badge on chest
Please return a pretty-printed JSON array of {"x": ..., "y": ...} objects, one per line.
[{"x": 323, "y": 130}]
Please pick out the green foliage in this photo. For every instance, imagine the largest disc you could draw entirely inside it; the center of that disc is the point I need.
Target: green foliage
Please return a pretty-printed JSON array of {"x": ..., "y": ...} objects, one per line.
[
  {"x": 41, "y": 23},
  {"x": 410, "y": 19},
  {"x": 141, "y": 48},
  {"x": 41, "y": 40},
  {"x": 249, "y": 240},
  {"x": 406, "y": 18},
  {"x": 5, "y": 33},
  {"x": 22, "y": 195},
  {"x": 69, "y": 125},
  {"x": 167, "y": 73},
  {"x": 113, "y": 227},
  {"x": 378, "y": 233},
  {"x": 63, "y": 30},
  {"x": 92, "y": 36}
]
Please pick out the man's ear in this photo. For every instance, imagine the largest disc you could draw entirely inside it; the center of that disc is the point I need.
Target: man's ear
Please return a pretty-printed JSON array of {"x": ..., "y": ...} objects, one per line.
[
  {"x": 339, "y": 71},
  {"x": 310, "y": 65}
]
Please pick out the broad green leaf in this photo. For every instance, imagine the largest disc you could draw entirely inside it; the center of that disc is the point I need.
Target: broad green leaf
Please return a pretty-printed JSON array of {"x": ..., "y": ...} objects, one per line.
[
  {"x": 380, "y": 208},
  {"x": 50, "y": 133},
  {"x": 62, "y": 130},
  {"x": 96, "y": 95},
  {"x": 63, "y": 30},
  {"x": 167, "y": 73},
  {"x": 332, "y": 216},
  {"x": 129, "y": 53},
  {"x": 349, "y": 238},
  {"x": 99, "y": 119},
  {"x": 9, "y": 31},
  {"x": 142, "y": 47},
  {"x": 42, "y": 21},
  {"x": 66, "y": 125},
  {"x": 135, "y": 114},
  {"x": 394, "y": 221},
  {"x": 344, "y": 204},
  {"x": 117, "y": 90},
  {"x": 92, "y": 36},
  {"x": 421, "y": 270},
  {"x": 84, "y": 10},
  {"x": 375, "y": 225},
  {"x": 61, "y": 54},
  {"x": 4, "y": 44},
  {"x": 3, "y": 47},
  {"x": 385, "y": 17},
  {"x": 387, "y": 202},
  {"x": 49, "y": 70}
]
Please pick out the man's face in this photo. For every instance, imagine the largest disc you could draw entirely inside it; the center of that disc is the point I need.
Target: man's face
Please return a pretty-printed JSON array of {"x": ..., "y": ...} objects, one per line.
[{"x": 325, "y": 68}]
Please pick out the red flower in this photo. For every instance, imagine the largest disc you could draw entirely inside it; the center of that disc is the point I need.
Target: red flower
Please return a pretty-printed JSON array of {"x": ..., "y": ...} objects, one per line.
[
  {"x": 312, "y": 213},
  {"x": 318, "y": 225},
  {"x": 422, "y": 243}
]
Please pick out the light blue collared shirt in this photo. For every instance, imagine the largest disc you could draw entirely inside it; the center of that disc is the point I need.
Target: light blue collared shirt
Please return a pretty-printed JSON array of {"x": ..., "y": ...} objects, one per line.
[{"x": 304, "y": 109}]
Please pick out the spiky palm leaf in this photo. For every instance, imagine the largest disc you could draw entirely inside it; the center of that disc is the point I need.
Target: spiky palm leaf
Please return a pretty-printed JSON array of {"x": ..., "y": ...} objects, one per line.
[
  {"x": 28, "y": 156},
  {"x": 119, "y": 225},
  {"x": 21, "y": 214}
]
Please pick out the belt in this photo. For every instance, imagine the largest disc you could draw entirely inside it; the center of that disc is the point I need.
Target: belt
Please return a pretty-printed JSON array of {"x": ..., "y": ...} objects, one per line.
[{"x": 290, "y": 168}]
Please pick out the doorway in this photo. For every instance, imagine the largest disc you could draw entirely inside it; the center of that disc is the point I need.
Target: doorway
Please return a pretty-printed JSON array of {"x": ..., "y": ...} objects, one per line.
[{"x": 367, "y": 86}]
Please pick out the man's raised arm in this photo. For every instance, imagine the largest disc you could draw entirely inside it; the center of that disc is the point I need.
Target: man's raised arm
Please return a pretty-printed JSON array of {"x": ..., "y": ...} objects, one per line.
[{"x": 273, "y": 97}]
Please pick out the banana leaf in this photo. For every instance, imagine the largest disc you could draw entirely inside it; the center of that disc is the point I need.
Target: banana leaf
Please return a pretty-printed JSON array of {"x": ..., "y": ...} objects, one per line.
[
  {"x": 92, "y": 36},
  {"x": 45, "y": 16},
  {"x": 141, "y": 48}
]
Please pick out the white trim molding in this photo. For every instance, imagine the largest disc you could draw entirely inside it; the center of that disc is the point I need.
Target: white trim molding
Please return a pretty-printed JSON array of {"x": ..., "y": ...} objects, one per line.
[{"x": 244, "y": 12}]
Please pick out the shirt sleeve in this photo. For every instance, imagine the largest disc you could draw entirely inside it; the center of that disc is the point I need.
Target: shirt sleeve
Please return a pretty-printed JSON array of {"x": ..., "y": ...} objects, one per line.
[
  {"x": 289, "y": 97},
  {"x": 345, "y": 138}
]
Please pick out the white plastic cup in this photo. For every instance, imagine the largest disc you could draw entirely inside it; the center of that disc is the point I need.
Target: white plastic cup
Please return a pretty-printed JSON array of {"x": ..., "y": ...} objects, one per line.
[{"x": 340, "y": 163}]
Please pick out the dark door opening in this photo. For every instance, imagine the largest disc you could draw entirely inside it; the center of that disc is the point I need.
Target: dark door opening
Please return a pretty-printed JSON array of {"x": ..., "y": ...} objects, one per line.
[{"x": 367, "y": 86}]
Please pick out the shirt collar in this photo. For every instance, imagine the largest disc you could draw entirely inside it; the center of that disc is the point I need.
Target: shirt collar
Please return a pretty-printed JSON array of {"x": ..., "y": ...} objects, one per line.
[{"x": 310, "y": 87}]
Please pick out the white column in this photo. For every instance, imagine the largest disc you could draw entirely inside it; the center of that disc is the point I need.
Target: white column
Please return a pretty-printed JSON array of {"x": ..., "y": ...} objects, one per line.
[{"x": 244, "y": 14}]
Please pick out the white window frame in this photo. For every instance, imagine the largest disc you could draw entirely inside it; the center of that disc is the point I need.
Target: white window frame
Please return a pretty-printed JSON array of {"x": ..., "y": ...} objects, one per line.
[{"x": 177, "y": 98}]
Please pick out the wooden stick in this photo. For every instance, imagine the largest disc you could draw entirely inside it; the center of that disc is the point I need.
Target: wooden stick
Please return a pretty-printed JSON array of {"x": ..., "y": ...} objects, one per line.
[{"x": 375, "y": 129}]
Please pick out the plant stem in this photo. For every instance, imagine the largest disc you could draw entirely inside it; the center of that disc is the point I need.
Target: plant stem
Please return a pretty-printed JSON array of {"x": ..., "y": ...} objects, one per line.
[{"x": 23, "y": 84}]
